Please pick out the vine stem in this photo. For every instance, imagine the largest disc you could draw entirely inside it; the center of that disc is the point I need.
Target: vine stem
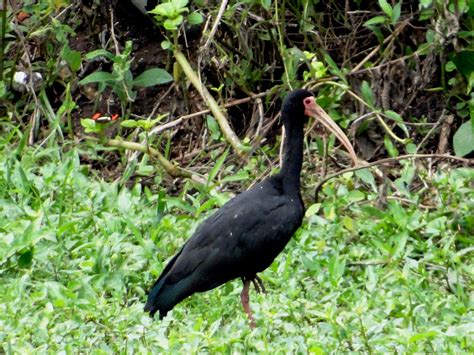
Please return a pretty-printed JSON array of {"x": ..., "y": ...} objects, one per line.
[
  {"x": 388, "y": 160},
  {"x": 221, "y": 119},
  {"x": 170, "y": 168}
]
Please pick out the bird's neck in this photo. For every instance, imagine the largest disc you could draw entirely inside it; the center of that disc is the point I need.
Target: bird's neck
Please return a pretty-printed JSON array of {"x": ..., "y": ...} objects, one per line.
[{"x": 293, "y": 157}]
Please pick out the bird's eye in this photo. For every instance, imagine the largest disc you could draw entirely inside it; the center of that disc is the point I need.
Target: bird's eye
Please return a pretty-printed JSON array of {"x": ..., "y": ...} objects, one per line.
[{"x": 307, "y": 101}]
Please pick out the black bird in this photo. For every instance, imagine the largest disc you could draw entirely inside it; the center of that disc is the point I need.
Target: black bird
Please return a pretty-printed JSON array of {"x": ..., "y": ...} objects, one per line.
[{"x": 245, "y": 235}]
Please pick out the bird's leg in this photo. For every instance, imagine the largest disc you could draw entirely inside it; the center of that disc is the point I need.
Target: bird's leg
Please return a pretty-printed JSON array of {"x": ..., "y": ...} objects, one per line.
[
  {"x": 260, "y": 283},
  {"x": 244, "y": 297},
  {"x": 256, "y": 285}
]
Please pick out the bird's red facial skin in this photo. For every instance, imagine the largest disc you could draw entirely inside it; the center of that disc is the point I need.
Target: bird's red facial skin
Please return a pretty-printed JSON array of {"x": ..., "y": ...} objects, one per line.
[{"x": 309, "y": 106}]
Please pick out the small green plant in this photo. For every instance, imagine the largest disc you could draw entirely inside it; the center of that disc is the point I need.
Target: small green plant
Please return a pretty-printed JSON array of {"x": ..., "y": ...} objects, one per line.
[
  {"x": 121, "y": 79},
  {"x": 145, "y": 125},
  {"x": 92, "y": 126},
  {"x": 389, "y": 19},
  {"x": 171, "y": 15},
  {"x": 317, "y": 69}
]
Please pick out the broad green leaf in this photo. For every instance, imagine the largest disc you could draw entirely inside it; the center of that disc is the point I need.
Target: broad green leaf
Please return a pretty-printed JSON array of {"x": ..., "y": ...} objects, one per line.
[
  {"x": 463, "y": 140},
  {"x": 398, "y": 213},
  {"x": 150, "y": 77},
  {"x": 165, "y": 9},
  {"x": 367, "y": 93},
  {"x": 424, "y": 48},
  {"x": 313, "y": 209},
  {"x": 375, "y": 20},
  {"x": 99, "y": 53},
  {"x": 330, "y": 212},
  {"x": 366, "y": 176},
  {"x": 217, "y": 167},
  {"x": 336, "y": 267},
  {"x": 239, "y": 176},
  {"x": 158, "y": 119},
  {"x": 383, "y": 247},
  {"x": 355, "y": 195},
  {"x": 426, "y": 3},
  {"x": 464, "y": 62},
  {"x": 213, "y": 127},
  {"x": 165, "y": 44},
  {"x": 72, "y": 58},
  {"x": 386, "y": 7},
  {"x": 400, "y": 241},
  {"x": 98, "y": 77},
  {"x": 348, "y": 223},
  {"x": 179, "y": 4},
  {"x": 195, "y": 18},
  {"x": 91, "y": 126},
  {"x": 173, "y": 23},
  {"x": 391, "y": 149},
  {"x": 422, "y": 336},
  {"x": 436, "y": 227},
  {"x": 266, "y": 4},
  {"x": 378, "y": 33},
  {"x": 130, "y": 123},
  {"x": 145, "y": 170},
  {"x": 410, "y": 148},
  {"x": 394, "y": 116},
  {"x": 333, "y": 66},
  {"x": 397, "y": 9}
]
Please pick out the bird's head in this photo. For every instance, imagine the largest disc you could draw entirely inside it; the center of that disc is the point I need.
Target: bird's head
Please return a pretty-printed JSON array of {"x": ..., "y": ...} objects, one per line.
[
  {"x": 294, "y": 107},
  {"x": 300, "y": 104}
]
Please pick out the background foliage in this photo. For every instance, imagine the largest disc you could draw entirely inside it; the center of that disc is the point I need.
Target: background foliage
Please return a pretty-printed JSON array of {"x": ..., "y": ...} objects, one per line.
[{"x": 90, "y": 211}]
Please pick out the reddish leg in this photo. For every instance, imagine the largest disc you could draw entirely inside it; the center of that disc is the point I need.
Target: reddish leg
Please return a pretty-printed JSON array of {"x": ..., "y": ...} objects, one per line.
[{"x": 244, "y": 297}]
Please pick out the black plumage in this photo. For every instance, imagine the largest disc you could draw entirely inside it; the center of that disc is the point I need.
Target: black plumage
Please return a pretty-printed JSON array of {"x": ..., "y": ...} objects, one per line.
[{"x": 244, "y": 236}]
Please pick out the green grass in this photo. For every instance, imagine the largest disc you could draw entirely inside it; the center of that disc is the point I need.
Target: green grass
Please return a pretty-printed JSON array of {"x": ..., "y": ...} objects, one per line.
[{"x": 78, "y": 254}]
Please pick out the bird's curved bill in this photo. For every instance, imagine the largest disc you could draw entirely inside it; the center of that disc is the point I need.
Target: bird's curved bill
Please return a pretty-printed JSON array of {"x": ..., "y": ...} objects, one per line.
[{"x": 314, "y": 110}]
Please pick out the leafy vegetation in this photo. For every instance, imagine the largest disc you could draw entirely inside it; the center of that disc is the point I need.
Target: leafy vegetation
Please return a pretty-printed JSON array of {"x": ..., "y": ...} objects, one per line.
[
  {"x": 78, "y": 256},
  {"x": 90, "y": 211},
  {"x": 121, "y": 79}
]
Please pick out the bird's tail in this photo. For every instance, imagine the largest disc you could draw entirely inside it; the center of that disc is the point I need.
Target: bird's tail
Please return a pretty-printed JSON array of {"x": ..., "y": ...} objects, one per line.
[
  {"x": 163, "y": 296},
  {"x": 153, "y": 303}
]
